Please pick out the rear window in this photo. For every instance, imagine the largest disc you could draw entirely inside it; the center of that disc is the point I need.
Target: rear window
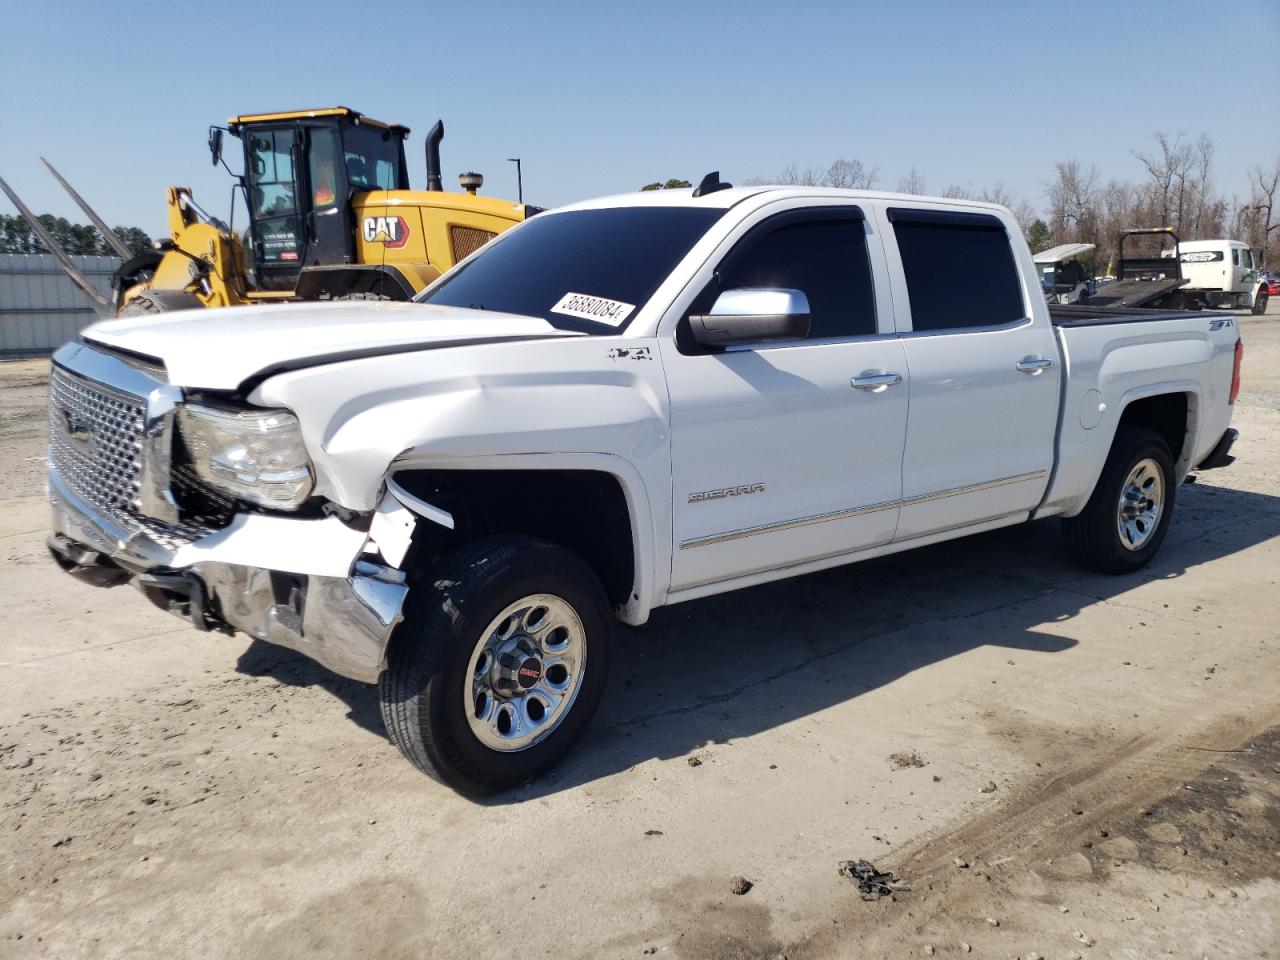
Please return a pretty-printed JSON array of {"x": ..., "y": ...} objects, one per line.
[
  {"x": 586, "y": 270},
  {"x": 959, "y": 269}
]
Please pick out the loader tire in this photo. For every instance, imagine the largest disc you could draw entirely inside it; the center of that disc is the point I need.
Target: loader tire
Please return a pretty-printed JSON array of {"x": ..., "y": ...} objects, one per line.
[
  {"x": 1128, "y": 515},
  {"x": 363, "y": 296},
  {"x": 159, "y": 301}
]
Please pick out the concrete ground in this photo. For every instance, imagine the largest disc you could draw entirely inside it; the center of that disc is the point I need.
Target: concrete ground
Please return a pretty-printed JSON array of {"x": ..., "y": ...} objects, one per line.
[{"x": 1054, "y": 762}]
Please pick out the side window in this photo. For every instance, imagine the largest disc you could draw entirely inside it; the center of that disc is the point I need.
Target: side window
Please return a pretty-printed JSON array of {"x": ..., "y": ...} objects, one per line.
[
  {"x": 322, "y": 166},
  {"x": 827, "y": 260},
  {"x": 959, "y": 274}
]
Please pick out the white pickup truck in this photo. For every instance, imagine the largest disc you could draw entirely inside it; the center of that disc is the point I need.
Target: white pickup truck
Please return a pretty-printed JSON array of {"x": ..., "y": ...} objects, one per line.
[{"x": 617, "y": 405}]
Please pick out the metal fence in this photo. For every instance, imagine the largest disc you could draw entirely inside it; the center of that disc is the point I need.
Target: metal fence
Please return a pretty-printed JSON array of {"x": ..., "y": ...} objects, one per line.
[{"x": 40, "y": 308}]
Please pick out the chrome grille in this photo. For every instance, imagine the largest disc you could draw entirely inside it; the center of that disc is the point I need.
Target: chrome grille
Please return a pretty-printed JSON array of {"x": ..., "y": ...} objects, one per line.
[
  {"x": 95, "y": 442},
  {"x": 96, "y": 447}
]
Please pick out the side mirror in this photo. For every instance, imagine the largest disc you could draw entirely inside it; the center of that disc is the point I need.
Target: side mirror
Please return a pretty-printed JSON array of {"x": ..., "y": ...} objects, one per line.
[
  {"x": 753, "y": 316},
  {"x": 215, "y": 144}
]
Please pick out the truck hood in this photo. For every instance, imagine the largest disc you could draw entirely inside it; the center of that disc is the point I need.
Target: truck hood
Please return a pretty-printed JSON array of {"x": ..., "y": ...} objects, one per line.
[{"x": 222, "y": 349}]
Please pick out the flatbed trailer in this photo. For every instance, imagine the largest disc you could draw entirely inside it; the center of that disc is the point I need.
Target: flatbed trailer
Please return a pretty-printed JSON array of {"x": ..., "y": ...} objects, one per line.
[
  {"x": 1158, "y": 282},
  {"x": 1136, "y": 292}
]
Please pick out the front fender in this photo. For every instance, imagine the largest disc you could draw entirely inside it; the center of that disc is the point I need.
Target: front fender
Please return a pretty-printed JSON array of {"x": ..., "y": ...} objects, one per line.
[{"x": 581, "y": 403}]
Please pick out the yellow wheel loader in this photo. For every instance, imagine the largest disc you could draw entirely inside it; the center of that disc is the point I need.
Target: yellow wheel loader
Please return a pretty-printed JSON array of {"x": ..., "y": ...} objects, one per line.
[{"x": 331, "y": 216}]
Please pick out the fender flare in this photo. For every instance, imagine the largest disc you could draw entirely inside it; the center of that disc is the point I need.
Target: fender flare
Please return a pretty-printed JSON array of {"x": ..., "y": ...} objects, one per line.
[
  {"x": 336, "y": 280},
  {"x": 648, "y": 541},
  {"x": 1182, "y": 458}
]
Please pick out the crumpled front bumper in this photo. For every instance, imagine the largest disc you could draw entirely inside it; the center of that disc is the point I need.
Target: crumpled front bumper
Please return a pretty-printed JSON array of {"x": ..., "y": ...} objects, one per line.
[{"x": 307, "y": 585}]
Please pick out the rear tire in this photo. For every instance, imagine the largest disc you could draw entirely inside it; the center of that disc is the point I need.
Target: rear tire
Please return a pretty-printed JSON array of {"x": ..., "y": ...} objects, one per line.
[
  {"x": 1128, "y": 515},
  {"x": 499, "y": 663}
]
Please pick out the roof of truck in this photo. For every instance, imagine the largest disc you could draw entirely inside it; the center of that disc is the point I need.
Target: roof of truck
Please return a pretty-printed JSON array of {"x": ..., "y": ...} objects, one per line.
[
  {"x": 1187, "y": 245},
  {"x": 732, "y": 196}
]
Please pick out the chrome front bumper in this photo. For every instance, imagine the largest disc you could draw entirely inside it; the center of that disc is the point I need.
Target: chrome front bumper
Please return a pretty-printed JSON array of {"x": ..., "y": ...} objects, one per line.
[{"x": 342, "y": 622}]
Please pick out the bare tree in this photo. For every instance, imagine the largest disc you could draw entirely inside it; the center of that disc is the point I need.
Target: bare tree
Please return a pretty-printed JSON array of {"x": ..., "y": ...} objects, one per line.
[
  {"x": 1265, "y": 219},
  {"x": 1023, "y": 212},
  {"x": 850, "y": 174},
  {"x": 913, "y": 182},
  {"x": 1073, "y": 203},
  {"x": 1180, "y": 191}
]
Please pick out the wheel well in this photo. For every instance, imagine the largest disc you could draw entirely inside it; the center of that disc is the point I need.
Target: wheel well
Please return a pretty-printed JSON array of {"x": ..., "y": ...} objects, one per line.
[
  {"x": 1166, "y": 414},
  {"x": 582, "y": 510},
  {"x": 336, "y": 280}
]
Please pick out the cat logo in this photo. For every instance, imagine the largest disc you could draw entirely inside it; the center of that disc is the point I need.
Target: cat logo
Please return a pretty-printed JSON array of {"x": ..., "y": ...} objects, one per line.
[{"x": 389, "y": 231}]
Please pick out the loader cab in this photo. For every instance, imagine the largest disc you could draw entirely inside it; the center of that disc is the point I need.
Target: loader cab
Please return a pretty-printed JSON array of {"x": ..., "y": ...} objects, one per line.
[{"x": 301, "y": 171}]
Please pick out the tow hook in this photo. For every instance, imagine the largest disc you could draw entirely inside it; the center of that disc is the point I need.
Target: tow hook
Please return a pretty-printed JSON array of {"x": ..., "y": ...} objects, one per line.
[
  {"x": 180, "y": 594},
  {"x": 83, "y": 562}
]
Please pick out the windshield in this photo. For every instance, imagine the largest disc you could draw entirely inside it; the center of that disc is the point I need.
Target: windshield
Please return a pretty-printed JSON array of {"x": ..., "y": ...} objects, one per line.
[{"x": 586, "y": 270}]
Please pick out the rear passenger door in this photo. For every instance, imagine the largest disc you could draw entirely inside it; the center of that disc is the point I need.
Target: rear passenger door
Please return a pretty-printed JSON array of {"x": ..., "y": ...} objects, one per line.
[{"x": 984, "y": 376}]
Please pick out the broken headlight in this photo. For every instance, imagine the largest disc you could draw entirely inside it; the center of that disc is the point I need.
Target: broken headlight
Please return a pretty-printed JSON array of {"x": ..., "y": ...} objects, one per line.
[{"x": 255, "y": 455}]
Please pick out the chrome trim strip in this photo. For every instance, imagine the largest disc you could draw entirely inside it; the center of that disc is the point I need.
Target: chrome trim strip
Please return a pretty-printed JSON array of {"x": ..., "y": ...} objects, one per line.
[
  {"x": 715, "y": 538},
  {"x": 948, "y": 331}
]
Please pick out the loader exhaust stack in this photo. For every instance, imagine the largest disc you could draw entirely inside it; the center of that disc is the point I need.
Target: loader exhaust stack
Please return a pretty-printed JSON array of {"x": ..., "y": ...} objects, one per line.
[{"x": 434, "y": 136}]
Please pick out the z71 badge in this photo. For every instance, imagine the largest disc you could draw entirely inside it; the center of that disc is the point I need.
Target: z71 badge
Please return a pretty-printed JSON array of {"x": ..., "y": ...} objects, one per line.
[{"x": 389, "y": 231}]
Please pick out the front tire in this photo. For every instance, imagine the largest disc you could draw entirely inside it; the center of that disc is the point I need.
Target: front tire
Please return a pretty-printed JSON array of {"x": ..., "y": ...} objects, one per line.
[
  {"x": 499, "y": 663},
  {"x": 1128, "y": 515},
  {"x": 1260, "y": 304}
]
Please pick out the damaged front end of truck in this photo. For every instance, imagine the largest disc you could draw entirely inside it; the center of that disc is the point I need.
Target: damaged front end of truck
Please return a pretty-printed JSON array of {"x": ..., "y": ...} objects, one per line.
[{"x": 207, "y": 507}]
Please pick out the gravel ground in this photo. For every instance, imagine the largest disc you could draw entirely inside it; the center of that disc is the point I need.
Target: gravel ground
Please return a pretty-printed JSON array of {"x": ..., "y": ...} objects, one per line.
[{"x": 1053, "y": 762}]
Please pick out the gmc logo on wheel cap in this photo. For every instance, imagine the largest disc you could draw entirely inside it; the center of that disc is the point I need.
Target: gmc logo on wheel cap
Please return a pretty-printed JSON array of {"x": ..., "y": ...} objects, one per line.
[{"x": 529, "y": 673}]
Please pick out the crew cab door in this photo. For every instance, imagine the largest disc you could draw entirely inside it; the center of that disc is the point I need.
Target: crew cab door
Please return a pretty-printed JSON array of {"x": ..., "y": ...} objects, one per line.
[
  {"x": 984, "y": 364},
  {"x": 777, "y": 459}
]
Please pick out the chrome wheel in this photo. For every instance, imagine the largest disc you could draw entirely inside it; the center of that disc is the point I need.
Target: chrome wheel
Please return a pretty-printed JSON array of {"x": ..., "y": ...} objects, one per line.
[
  {"x": 1141, "y": 504},
  {"x": 525, "y": 673}
]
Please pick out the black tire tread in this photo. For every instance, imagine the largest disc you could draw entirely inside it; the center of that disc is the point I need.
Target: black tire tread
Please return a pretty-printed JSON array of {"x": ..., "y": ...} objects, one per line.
[
  {"x": 150, "y": 302},
  {"x": 411, "y": 663},
  {"x": 1090, "y": 535}
]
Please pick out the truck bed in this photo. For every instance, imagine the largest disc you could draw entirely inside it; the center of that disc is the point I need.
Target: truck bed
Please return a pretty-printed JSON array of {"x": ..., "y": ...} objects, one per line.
[{"x": 1089, "y": 314}]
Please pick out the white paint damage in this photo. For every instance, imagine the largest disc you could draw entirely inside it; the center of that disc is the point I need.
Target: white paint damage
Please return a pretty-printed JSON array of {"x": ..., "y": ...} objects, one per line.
[{"x": 323, "y": 548}]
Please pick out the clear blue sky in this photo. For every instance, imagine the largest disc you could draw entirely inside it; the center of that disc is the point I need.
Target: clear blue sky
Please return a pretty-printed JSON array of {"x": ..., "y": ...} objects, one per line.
[{"x": 603, "y": 97}]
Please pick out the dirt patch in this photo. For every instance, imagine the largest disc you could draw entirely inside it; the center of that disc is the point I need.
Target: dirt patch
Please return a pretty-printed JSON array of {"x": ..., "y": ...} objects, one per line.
[
  {"x": 703, "y": 921},
  {"x": 901, "y": 761},
  {"x": 1140, "y": 830},
  {"x": 1222, "y": 826}
]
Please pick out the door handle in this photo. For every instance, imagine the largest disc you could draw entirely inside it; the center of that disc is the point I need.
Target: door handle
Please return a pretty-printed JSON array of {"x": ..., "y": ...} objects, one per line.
[
  {"x": 1033, "y": 365},
  {"x": 875, "y": 381}
]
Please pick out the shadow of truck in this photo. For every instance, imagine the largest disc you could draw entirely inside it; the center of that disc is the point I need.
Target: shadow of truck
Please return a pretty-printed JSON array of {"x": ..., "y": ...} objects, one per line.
[{"x": 732, "y": 665}]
